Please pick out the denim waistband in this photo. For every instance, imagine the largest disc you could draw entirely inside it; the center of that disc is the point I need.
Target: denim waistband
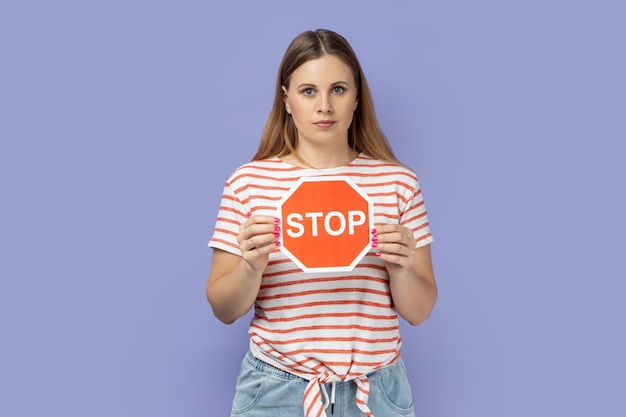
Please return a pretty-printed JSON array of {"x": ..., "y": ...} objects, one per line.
[
  {"x": 265, "y": 367},
  {"x": 316, "y": 398}
]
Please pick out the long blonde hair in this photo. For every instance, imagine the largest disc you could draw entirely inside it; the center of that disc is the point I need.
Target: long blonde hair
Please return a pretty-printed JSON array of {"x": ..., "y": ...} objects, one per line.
[{"x": 280, "y": 136}]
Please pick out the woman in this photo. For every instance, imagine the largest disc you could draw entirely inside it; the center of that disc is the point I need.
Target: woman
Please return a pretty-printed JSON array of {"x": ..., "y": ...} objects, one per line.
[{"x": 322, "y": 343}]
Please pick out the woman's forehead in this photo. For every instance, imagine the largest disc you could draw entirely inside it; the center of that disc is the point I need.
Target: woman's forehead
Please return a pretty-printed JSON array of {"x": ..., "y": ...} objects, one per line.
[{"x": 327, "y": 69}]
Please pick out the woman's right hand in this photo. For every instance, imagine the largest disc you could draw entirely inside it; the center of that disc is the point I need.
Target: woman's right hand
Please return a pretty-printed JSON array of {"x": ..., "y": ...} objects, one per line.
[{"x": 258, "y": 236}]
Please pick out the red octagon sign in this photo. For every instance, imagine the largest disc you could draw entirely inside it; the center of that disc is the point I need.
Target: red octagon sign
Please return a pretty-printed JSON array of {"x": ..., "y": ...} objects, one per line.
[{"x": 326, "y": 223}]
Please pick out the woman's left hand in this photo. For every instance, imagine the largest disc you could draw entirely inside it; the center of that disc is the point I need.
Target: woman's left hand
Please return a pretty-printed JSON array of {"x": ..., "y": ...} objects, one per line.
[
  {"x": 411, "y": 278},
  {"x": 395, "y": 245}
]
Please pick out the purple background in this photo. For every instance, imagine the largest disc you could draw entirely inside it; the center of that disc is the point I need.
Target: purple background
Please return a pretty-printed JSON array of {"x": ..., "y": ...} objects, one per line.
[{"x": 120, "y": 121}]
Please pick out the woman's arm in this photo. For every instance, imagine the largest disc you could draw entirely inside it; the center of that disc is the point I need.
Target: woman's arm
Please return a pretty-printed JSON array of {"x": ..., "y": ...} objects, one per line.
[
  {"x": 411, "y": 277},
  {"x": 234, "y": 281}
]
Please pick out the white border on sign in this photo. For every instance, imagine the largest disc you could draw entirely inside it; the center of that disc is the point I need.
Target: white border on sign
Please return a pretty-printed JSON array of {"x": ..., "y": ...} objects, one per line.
[{"x": 370, "y": 219}]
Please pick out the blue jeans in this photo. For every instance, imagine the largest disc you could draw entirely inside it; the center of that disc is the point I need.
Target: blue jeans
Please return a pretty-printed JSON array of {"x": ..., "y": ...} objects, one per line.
[{"x": 265, "y": 391}]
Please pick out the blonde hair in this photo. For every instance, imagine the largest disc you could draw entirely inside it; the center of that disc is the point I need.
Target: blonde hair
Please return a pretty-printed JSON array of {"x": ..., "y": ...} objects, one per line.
[{"x": 280, "y": 137}]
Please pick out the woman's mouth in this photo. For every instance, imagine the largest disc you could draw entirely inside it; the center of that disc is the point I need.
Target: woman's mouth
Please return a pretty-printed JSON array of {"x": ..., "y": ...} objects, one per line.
[{"x": 324, "y": 124}]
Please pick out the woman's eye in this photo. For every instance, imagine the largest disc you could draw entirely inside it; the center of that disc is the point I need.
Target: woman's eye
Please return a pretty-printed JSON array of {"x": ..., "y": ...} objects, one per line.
[
  {"x": 338, "y": 90},
  {"x": 308, "y": 91}
]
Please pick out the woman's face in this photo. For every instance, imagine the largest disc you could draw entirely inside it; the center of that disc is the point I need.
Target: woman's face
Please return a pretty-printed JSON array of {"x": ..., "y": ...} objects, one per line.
[{"x": 321, "y": 99}]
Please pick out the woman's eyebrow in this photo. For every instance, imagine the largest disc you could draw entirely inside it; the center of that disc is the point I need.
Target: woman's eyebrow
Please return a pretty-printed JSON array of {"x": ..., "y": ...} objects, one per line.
[{"x": 313, "y": 85}]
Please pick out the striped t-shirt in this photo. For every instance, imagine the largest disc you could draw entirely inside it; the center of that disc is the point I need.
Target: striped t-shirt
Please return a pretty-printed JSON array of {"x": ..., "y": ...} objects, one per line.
[{"x": 328, "y": 326}]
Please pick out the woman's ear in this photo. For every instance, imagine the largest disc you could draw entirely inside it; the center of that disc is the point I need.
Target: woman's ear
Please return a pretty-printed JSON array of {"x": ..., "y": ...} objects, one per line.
[{"x": 286, "y": 100}]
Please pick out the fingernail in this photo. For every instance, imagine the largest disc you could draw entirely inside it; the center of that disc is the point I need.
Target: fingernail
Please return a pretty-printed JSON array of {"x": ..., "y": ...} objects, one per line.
[
  {"x": 277, "y": 228},
  {"x": 374, "y": 245},
  {"x": 375, "y": 239},
  {"x": 276, "y": 234},
  {"x": 377, "y": 253},
  {"x": 277, "y": 243},
  {"x": 276, "y": 220},
  {"x": 374, "y": 231}
]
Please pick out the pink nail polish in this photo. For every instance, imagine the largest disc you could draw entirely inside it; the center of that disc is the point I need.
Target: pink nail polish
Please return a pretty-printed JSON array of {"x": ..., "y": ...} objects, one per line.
[
  {"x": 277, "y": 228},
  {"x": 374, "y": 245},
  {"x": 276, "y": 220},
  {"x": 277, "y": 243},
  {"x": 377, "y": 253},
  {"x": 374, "y": 231},
  {"x": 276, "y": 234},
  {"x": 375, "y": 239}
]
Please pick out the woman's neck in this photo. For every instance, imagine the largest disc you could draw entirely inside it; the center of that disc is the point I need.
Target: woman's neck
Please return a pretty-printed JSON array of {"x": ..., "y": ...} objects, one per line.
[{"x": 319, "y": 159}]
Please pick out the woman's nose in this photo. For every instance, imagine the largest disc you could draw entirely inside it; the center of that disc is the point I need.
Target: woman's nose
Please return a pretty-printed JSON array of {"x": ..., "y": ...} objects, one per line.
[{"x": 325, "y": 105}]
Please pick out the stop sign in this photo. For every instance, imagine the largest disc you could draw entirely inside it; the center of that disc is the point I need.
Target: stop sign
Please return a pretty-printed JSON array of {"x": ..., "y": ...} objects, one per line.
[{"x": 325, "y": 223}]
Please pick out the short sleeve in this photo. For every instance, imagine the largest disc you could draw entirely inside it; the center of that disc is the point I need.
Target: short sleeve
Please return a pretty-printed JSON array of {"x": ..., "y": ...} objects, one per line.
[
  {"x": 231, "y": 215},
  {"x": 415, "y": 218}
]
